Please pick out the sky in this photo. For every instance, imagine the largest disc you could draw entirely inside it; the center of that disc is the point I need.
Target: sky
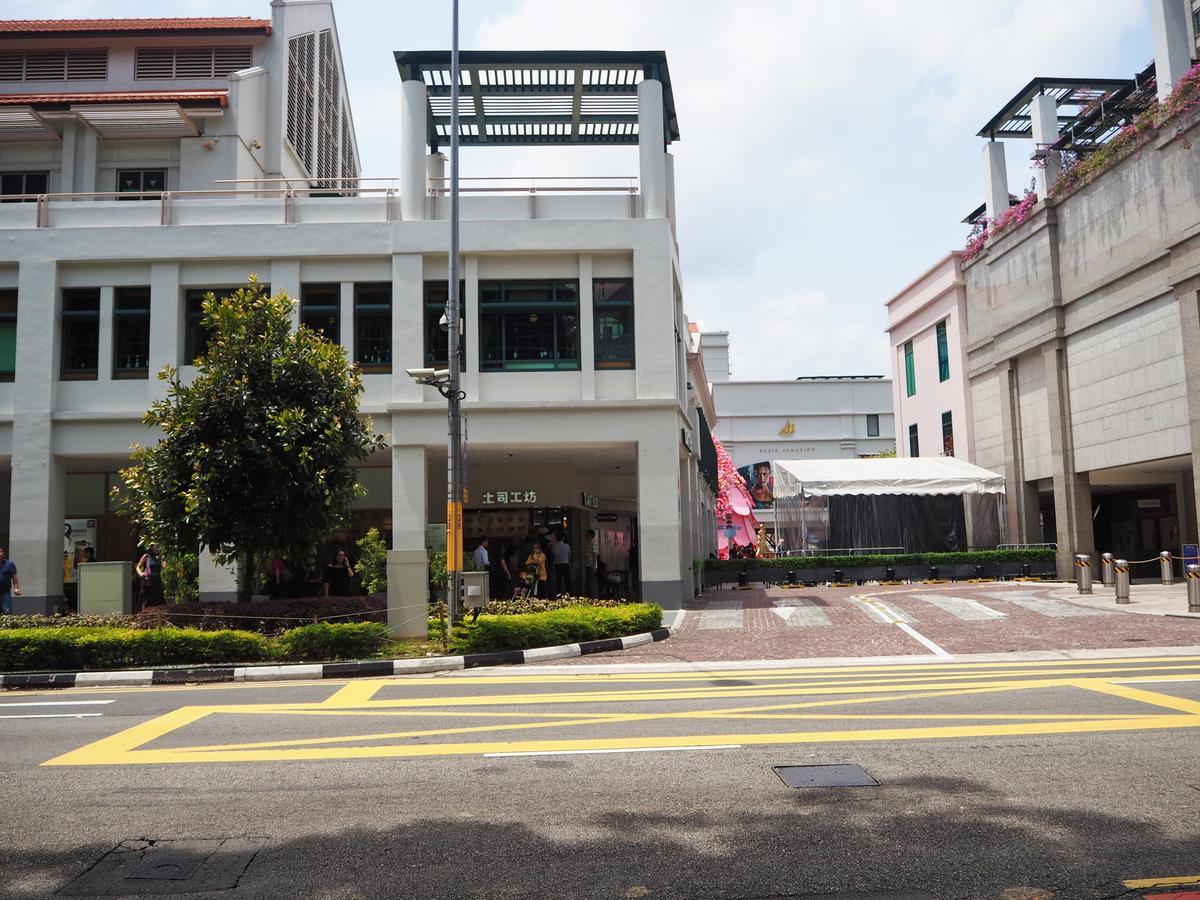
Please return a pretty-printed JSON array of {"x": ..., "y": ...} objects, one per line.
[{"x": 827, "y": 153}]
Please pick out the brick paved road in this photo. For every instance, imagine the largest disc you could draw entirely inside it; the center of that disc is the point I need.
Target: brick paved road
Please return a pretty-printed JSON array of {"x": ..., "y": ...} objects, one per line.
[{"x": 777, "y": 623}]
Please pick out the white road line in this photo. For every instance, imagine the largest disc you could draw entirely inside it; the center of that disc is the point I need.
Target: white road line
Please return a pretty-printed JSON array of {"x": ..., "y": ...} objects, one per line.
[
  {"x": 800, "y": 613},
  {"x": 960, "y": 607},
  {"x": 55, "y": 716},
  {"x": 58, "y": 703},
  {"x": 722, "y": 614},
  {"x": 1054, "y": 609},
  {"x": 621, "y": 750},
  {"x": 884, "y": 612},
  {"x": 916, "y": 635}
]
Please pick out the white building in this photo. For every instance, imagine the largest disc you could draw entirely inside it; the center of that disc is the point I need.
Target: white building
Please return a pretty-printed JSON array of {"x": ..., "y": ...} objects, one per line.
[
  {"x": 577, "y": 402},
  {"x": 811, "y": 417}
]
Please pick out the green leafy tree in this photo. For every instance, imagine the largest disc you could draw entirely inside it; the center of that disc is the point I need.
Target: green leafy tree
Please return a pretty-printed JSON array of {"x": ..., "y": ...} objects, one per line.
[
  {"x": 372, "y": 562},
  {"x": 257, "y": 454}
]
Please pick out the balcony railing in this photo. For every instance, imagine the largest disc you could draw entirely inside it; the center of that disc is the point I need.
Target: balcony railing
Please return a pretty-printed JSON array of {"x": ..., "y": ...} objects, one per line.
[{"x": 384, "y": 191}]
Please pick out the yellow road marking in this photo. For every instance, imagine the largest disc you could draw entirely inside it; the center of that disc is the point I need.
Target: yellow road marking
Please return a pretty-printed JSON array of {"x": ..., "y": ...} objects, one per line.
[{"x": 1136, "y": 883}]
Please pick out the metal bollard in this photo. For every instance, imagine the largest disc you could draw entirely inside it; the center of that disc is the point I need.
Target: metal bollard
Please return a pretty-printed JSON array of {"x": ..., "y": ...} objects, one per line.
[
  {"x": 743, "y": 579},
  {"x": 1193, "y": 588},
  {"x": 1121, "y": 570},
  {"x": 934, "y": 574},
  {"x": 1083, "y": 573},
  {"x": 1106, "y": 569},
  {"x": 889, "y": 574},
  {"x": 1168, "y": 570},
  {"x": 790, "y": 576}
]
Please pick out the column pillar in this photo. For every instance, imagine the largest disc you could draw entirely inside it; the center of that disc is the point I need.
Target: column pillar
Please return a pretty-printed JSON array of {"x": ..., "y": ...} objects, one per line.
[
  {"x": 88, "y": 152},
  {"x": 346, "y": 316},
  {"x": 285, "y": 279},
  {"x": 1022, "y": 507},
  {"x": 165, "y": 333},
  {"x": 105, "y": 349},
  {"x": 995, "y": 179},
  {"x": 587, "y": 330},
  {"x": 1172, "y": 52},
  {"x": 470, "y": 319},
  {"x": 1188, "y": 302},
  {"x": 652, "y": 160},
  {"x": 408, "y": 563},
  {"x": 1044, "y": 112},
  {"x": 413, "y": 137},
  {"x": 36, "y": 509},
  {"x": 435, "y": 172},
  {"x": 1072, "y": 490},
  {"x": 66, "y": 180},
  {"x": 408, "y": 325},
  {"x": 660, "y": 523}
]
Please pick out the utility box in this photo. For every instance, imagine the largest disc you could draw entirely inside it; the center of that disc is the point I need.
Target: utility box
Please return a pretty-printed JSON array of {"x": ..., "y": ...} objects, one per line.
[
  {"x": 106, "y": 588},
  {"x": 476, "y": 590}
]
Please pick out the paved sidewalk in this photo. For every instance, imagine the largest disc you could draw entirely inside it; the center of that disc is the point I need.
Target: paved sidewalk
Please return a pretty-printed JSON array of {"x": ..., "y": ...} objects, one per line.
[{"x": 1148, "y": 599}]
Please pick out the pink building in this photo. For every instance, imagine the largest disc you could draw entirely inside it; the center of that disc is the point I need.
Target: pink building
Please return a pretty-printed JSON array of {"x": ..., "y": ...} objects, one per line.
[{"x": 927, "y": 327}]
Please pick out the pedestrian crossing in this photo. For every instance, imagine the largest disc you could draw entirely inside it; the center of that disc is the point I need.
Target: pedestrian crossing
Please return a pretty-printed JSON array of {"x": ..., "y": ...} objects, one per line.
[{"x": 881, "y": 609}]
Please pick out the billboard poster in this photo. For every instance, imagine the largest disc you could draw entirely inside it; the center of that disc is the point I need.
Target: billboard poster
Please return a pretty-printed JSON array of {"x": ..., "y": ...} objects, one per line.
[
  {"x": 759, "y": 484},
  {"x": 79, "y": 536}
]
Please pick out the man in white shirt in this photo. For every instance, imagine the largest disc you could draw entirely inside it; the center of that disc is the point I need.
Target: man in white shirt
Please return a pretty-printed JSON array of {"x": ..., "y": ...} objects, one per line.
[
  {"x": 482, "y": 561},
  {"x": 560, "y": 558}
]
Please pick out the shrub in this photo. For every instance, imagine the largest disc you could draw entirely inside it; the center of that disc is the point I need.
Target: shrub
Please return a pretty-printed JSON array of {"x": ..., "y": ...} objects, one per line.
[
  {"x": 372, "y": 562},
  {"x": 539, "y": 604},
  {"x": 352, "y": 640},
  {"x": 35, "y": 620},
  {"x": 559, "y": 626},
  {"x": 107, "y": 648},
  {"x": 971, "y": 557},
  {"x": 265, "y": 617}
]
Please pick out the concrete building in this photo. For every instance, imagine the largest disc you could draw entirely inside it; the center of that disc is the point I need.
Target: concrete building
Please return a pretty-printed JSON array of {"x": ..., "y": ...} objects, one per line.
[
  {"x": 927, "y": 329},
  {"x": 1083, "y": 321},
  {"x": 811, "y": 417},
  {"x": 236, "y": 141}
]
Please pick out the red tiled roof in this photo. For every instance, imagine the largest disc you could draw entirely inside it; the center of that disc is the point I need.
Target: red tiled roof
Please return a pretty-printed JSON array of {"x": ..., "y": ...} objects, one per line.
[
  {"x": 221, "y": 97},
  {"x": 111, "y": 26}
]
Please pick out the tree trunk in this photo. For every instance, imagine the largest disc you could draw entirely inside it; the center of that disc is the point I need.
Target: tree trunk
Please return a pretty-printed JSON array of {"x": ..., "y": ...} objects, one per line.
[{"x": 246, "y": 579}]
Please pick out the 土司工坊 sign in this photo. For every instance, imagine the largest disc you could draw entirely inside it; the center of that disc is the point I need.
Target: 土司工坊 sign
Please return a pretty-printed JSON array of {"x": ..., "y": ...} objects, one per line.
[{"x": 507, "y": 498}]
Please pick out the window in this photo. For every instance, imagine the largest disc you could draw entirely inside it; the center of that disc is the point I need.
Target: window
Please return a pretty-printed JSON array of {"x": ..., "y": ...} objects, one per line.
[
  {"x": 190, "y": 62},
  {"x": 943, "y": 352},
  {"x": 131, "y": 332},
  {"x": 320, "y": 309},
  {"x": 528, "y": 325},
  {"x": 612, "y": 311},
  {"x": 301, "y": 78},
  {"x": 54, "y": 65},
  {"x": 8, "y": 335},
  {"x": 910, "y": 371},
  {"x": 141, "y": 181},
  {"x": 872, "y": 425},
  {"x": 80, "y": 333},
  {"x": 195, "y": 332},
  {"x": 914, "y": 445},
  {"x": 437, "y": 339},
  {"x": 14, "y": 184},
  {"x": 373, "y": 326},
  {"x": 947, "y": 434}
]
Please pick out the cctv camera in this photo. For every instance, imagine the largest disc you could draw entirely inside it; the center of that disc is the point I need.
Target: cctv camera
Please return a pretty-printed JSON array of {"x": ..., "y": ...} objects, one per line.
[
  {"x": 444, "y": 322},
  {"x": 421, "y": 374}
]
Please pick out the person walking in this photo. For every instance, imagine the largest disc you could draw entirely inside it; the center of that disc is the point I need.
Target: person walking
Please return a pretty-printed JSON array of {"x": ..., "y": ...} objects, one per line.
[
  {"x": 10, "y": 584},
  {"x": 483, "y": 561},
  {"x": 591, "y": 558},
  {"x": 500, "y": 576},
  {"x": 537, "y": 559},
  {"x": 149, "y": 572},
  {"x": 339, "y": 576},
  {"x": 560, "y": 558}
]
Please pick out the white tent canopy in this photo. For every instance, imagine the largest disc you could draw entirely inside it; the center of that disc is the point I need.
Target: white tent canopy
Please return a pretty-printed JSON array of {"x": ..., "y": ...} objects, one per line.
[{"x": 925, "y": 475}]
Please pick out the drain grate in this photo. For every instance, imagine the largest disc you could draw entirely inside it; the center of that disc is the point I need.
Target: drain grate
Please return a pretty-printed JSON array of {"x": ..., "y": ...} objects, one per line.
[
  {"x": 171, "y": 866},
  {"x": 839, "y": 775},
  {"x": 146, "y": 867}
]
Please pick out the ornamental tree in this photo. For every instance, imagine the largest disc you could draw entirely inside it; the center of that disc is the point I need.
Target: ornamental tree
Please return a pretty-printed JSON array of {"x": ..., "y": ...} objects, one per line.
[{"x": 257, "y": 454}]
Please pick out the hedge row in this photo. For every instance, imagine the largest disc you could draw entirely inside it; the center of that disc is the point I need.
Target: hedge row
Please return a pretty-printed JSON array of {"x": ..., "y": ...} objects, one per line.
[
  {"x": 971, "y": 557},
  {"x": 560, "y": 626},
  {"x": 116, "y": 648}
]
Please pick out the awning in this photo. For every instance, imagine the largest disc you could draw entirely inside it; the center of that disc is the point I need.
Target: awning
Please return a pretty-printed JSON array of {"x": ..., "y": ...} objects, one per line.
[{"x": 925, "y": 475}]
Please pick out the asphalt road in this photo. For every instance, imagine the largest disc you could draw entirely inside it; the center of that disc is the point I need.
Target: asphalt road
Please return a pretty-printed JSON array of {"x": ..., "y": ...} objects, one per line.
[{"x": 1014, "y": 779}]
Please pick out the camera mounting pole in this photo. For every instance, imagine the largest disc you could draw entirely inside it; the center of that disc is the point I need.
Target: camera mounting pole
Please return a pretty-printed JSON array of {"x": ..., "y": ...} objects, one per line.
[{"x": 453, "y": 392}]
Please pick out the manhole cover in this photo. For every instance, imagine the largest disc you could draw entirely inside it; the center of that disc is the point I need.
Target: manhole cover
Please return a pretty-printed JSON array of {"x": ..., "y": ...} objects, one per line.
[
  {"x": 167, "y": 865},
  {"x": 840, "y": 775}
]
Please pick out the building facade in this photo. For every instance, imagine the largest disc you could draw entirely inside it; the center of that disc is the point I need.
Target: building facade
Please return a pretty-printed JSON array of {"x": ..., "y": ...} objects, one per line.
[
  {"x": 927, "y": 331},
  {"x": 1083, "y": 321},
  {"x": 578, "y": 411}
]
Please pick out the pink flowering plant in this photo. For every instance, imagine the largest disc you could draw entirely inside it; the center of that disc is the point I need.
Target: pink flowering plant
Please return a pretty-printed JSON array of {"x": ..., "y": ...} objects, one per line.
[{"x": 985, "y": 229}]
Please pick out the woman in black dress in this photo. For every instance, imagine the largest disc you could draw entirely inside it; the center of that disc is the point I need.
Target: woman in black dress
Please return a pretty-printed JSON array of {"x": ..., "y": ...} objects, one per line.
[{"x": 339, "y": 577}]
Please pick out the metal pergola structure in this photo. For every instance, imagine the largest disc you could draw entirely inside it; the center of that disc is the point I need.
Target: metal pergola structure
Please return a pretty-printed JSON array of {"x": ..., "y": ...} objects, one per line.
[
  {"x": 1071, "y": 95},
  {"x": 530, "y": 97},
  {"x": 1101, "y": 121}
]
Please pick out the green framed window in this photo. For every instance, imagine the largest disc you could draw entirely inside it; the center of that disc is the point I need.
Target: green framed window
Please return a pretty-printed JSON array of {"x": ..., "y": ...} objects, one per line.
[
  {"x": 437, "y": 339},
  {"x": 80, "y": 334},
  {"x": 131, "y": 332},
  {"x": 373, "y": 326},
  {"x": 910, "y": 370},
  {"x": 947, "y": 434},
  {"x": 195, "y": 333},
  {"x": 872, "y": 425},
  {"x": 141, "y": 181},
  {"x": 8, "y": 335},
  {"x": 16, "y": 184},
  {"x": 320, "y": 309},
  {"x": 914, "y": 443},
  {"x": 943, "y": 350},
  {"x": 612, "y": 314},
  {"x": 528, "y": 325}
]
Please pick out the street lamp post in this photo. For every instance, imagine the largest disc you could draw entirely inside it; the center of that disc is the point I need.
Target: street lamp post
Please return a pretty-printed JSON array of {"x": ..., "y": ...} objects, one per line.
[{"x": 454, "y": 473}]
